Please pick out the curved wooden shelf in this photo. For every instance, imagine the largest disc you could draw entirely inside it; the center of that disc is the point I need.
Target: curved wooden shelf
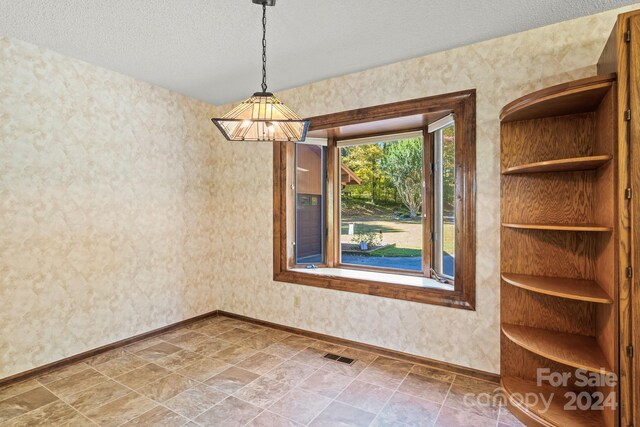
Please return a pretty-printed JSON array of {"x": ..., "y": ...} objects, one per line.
[
  {"x": 579, "y": 96},
  {"x": 579, "y": 351},
  {"x": 561, "y": 165},
  {"x": 576, "y": 289},
  {"x": 535, "y": 411},
  {"x": 559, "y": 227}
]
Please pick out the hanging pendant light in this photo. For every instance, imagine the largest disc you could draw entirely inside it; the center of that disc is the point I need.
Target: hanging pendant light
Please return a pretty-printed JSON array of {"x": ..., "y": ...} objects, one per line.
[{"x": 262, "y": 117}]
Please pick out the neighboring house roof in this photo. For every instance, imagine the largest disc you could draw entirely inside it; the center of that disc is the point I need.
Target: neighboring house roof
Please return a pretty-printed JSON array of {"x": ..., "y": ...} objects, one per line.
[{"x": 349, "y": 177}]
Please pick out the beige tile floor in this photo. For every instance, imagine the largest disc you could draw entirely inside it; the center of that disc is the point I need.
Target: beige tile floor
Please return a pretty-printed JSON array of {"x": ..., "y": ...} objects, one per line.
[{"x": 224, "y": 372}]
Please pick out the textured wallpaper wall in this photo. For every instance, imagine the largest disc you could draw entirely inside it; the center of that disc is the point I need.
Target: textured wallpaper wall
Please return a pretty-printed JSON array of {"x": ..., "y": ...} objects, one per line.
[
  {"x": 501, "y": 70},
  {"x": 123, "y": 210},
  {"x": 107, "y": 218}
]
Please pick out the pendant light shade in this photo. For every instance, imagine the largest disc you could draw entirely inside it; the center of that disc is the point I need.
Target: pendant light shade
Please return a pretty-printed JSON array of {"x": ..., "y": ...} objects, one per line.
[{"x": 262, "y": 117}]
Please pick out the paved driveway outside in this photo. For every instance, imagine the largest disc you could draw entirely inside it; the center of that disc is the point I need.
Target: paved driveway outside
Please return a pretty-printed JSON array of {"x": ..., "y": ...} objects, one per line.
[{"x": 403, "y": 263}]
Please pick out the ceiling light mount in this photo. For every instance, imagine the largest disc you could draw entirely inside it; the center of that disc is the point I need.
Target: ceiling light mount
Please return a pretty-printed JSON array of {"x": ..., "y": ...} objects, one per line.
[
  {"x": 265, "y": 2},
  {"x": 262, "y": 117}
]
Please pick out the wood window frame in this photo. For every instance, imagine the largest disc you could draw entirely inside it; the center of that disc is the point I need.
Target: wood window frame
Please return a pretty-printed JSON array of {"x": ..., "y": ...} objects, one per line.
[{"x": 463, "y": 105}]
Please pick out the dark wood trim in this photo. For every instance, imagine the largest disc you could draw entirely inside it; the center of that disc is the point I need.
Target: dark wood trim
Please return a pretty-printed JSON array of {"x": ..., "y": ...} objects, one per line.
[
  {"x": 279, "y": 200},
  {"x": 631, "y": 318},
  {"x": 333, "y": 202},
  {"x": 412, "y": 293},
  {"x": 465, "y": 226},
  {"x": 412, "y": 358},
  {"x": 463, "y": 106},
  {"x": 414, "y": 273},
  {"x": 618, "y": 57},
  {"x": 393, "y": 110},
  {"x": 376, "y": 134},
  {"x": 45, "y": 369},
  {"x": 49, "y": 367},
  {"x": 290, "y": 203}
]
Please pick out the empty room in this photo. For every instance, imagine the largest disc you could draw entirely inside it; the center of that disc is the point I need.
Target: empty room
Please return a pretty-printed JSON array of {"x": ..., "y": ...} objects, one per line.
[{"x": 320, "y": 213}]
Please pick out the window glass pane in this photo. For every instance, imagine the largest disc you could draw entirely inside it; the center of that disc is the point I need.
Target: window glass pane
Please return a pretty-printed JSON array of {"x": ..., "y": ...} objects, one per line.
[
  {"x": 310, "y": 194},
  {"x": 381, "y": 204},
  {"x": 445, "y": 203}
]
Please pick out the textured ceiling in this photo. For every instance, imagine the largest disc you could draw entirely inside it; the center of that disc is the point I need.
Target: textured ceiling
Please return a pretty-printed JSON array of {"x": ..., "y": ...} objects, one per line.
[{"x": 210, "y": 49}]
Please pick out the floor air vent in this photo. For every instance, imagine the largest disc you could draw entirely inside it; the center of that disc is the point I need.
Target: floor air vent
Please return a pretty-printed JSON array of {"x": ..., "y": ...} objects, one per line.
[{"x": 338, "y": 358}]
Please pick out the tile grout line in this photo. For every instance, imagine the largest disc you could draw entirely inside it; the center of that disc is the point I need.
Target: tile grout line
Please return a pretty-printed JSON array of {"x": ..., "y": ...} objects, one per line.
[
  {"x": 130, "y": 352},
  {"x": 353, "y": 379},
  {"x": 357, "y": 378},
  {"x": 242, "y": 343},
  {"x": 69, "y": 405},
  {"x": 290, "y": 358},
  {"x": 444, "y": 400},
  {"x": 426, "y": 363},
  {"x": 27, "y": 391},
  {"x": 317, "y": 369},
  {"x": 45, "y": 386},
  {"x": 77, "y": 391},
  {"x": 292, "y": 388},
  {"x": 154, "y": 401},
  {"x": 14, "y": 394},
  {"x": 396, "y": 390},
  {"x": 336, "y": 397},
  {"x": 117, "y": 382},
  {"x": 231, "y": 394},
  {"x": 200, "y": 383},
  {"x": 158, "y": 379}
]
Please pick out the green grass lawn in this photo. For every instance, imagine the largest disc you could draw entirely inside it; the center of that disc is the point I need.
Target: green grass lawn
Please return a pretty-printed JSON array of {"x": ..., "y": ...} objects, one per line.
[
  {"x": 406, "y": 234},
  {"x": 411, "y": 249},
  {"x": 395, "y": 252}
]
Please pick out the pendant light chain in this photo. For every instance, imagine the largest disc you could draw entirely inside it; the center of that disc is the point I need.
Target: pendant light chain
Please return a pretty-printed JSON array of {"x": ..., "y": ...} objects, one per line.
[{"x": 264, "y": 47}]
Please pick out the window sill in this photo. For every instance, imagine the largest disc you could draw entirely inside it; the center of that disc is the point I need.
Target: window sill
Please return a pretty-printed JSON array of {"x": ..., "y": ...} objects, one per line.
[
  {"x": 387, "y": 285},
  {"x": 375, "y": 276}
]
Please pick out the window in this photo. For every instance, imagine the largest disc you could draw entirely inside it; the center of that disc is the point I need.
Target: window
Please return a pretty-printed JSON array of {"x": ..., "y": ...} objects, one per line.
[
  {"x": 310, "y": 207},
  {"x": 381, "y": 214},
  {"x": 382, "y": 201},
  {"x": 444, "y": 187}
]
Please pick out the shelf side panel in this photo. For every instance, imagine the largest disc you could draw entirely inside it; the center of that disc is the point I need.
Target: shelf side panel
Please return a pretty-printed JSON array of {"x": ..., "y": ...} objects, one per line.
[{"x": 605, "y": 212}]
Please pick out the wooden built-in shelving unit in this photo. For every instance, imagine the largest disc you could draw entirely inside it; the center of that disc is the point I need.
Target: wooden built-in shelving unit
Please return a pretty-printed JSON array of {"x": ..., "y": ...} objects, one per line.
[
  {"x": 580, "y": 96},
  {"x": 560, "y": 165},
  {"x": 555, "y": 414},
  {"x": 561, "y": 287},
  {"x": 579, "y": 351},
  {"x": 558, "y": 251},
  {"x": 560, "y": 227}
]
